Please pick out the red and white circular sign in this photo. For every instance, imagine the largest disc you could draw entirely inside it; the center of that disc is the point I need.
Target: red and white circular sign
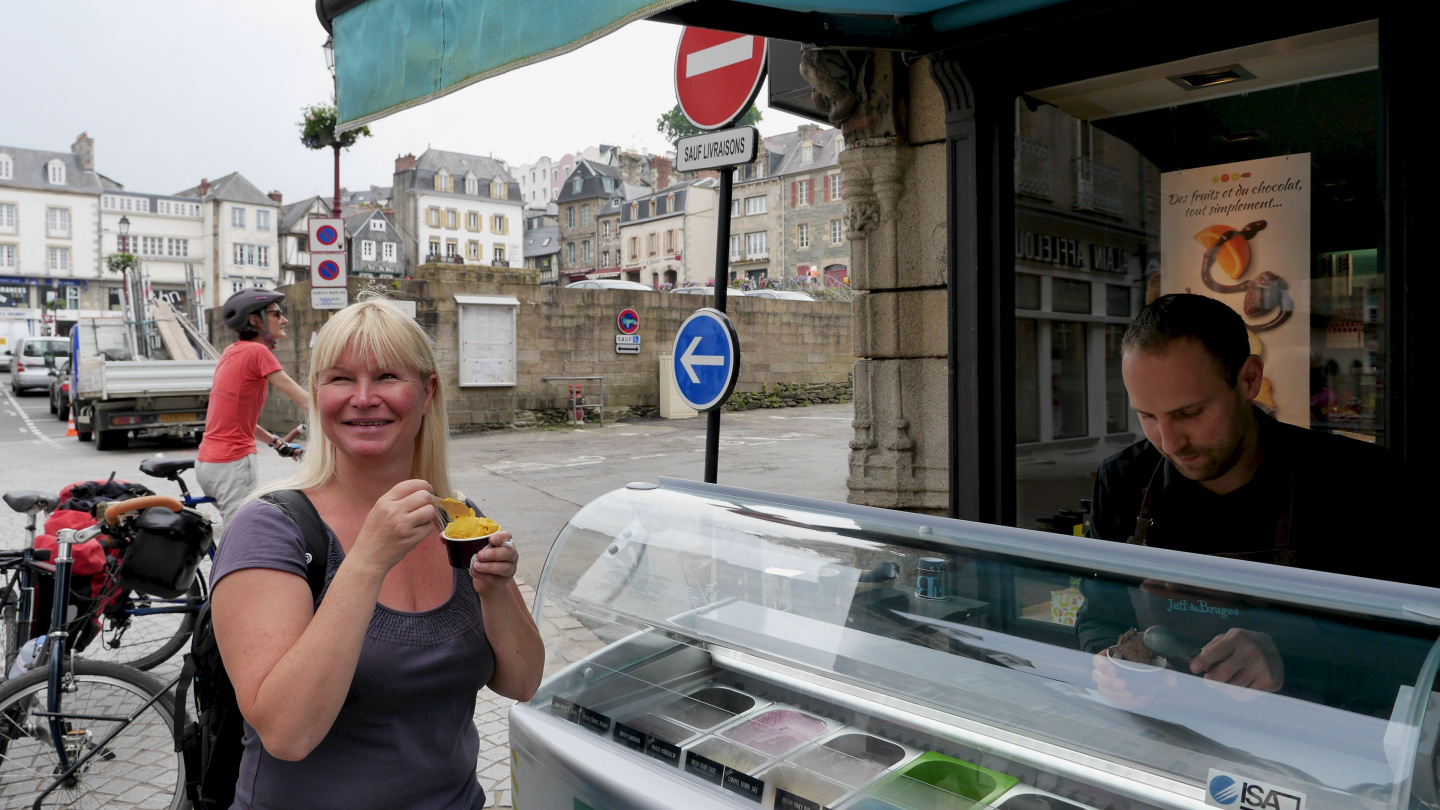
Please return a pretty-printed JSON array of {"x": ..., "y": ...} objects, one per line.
[{"x": 718, "y": 75}]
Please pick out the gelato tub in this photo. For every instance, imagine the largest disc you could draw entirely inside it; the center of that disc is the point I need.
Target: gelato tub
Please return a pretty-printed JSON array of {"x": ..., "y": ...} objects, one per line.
[
  {"x": 851, "y": 758},
  {"x": 730, "y": 755},
  {"x": 937, "y": 782},
  {"x": 777, "y": 731},
  {"x": 709, "y": 707},
  {"x": 802, "y": 783}
]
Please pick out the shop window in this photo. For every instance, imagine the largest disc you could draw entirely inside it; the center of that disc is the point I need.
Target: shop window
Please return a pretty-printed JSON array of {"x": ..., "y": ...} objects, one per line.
[
  {"x": 1068, "y": 379},
  {"x": 1117, "y": 301},
  {"x": 1070, "y": 296},
  {"x": 1117, "y": 402},
  {"x": 1027, "y": 291},
  {"x": 1027, "y": 381}
]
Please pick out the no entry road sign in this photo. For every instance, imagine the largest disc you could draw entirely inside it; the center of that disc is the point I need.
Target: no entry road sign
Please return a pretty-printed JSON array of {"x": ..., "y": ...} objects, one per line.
[
  {"x": 707, "y": 359},
  {"x": 327, "y": 270},
  {"x": 327, "y": 234},
  {"x": 717, "y": 75}
]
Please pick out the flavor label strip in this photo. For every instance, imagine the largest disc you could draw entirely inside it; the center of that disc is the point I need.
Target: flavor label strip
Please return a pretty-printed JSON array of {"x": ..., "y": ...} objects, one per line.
[
  {"x": 744, "y": 784},
  {"x": 704, "y": 767},
  {"x": 785, "y": 800},
  {"x": 595, "y": 721},
  {"x": 663, "y": 751},
  {"x": 564, "y": 709},
  {"x": 629, "y": 737}
]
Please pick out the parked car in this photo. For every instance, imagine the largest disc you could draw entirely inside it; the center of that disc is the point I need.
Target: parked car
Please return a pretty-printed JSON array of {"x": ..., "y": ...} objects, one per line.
[
  {"x": 694, "y": 291},
  {"x": 60, "y": 389},
  {"x": 783, "y": 295},
  {"x": 32, "y": 360},
  {"x": 608, "y": 284}
]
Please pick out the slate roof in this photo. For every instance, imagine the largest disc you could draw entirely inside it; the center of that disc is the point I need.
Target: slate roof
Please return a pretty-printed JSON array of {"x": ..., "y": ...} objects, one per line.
[
  {"x": 542, "y": 241},
  {"x": 233, "y": 187},
  {"x": 290, "y": 215},
  {"x": 28, "y": 171},
  {"x": 355, "y": 221},
  {"x": 459, "y": 164},
  {"x": 681, "y": 192},
  {"x": 826, "y": 153},
  {"x": 592, "y": 182}
]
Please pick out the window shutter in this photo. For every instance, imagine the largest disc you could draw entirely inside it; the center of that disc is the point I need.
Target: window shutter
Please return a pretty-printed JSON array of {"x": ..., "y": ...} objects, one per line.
[
  {"x": 826, "y": 190},
  {"x": 794, "y": 195}
]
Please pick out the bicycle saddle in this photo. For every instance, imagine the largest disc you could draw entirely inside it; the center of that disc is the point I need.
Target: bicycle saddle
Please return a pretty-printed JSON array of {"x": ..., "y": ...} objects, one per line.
[
  {"x": 29, "y": 502},
  {"x": 166, "y": 467}
]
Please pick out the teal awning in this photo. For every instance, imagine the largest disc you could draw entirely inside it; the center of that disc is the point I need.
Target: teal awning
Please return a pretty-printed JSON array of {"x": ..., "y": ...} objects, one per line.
[{"x": 394, "y": 54}]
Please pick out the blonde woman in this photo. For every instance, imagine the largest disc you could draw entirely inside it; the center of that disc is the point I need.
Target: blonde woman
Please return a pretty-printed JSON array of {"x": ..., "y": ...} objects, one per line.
[{"x": 365, "y": 699}]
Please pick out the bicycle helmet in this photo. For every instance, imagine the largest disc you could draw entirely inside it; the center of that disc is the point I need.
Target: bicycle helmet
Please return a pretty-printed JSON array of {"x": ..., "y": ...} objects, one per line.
[{"x": 238, "y": 308}]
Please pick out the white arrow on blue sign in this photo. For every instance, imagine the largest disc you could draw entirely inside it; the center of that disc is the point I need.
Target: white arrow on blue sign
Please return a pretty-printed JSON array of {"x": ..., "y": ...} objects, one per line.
[{"x": 707, "y": 359}]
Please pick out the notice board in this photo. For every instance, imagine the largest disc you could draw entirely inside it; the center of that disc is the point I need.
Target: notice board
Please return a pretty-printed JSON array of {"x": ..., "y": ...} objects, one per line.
[{"x": 487, "y": 339}]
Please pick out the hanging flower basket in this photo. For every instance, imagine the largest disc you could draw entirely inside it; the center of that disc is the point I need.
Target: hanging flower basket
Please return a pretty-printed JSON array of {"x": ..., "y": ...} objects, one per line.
[{"x": 317, "y": 129}]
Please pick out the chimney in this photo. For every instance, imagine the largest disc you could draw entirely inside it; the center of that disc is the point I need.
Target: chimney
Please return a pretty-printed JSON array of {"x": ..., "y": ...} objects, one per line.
[
  {"x": 662, "y": 168},
  {"x": 84, "y": 148},
  {"x": 806, "y": 130},
  {"x": 277, "y": 197},
  {"x": 204, "y": 189},
  {"x": 404, "y": 163}
]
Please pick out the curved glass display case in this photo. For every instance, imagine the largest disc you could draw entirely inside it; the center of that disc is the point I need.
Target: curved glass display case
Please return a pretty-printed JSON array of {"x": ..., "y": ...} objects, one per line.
[{"x": 713, "y": 646}]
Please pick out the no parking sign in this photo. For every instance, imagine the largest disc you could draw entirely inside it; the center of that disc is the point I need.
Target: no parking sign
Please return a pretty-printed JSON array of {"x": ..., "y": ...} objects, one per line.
[
  {"x": 327, "y": 234},
  {"x": 327, "y": 269}
]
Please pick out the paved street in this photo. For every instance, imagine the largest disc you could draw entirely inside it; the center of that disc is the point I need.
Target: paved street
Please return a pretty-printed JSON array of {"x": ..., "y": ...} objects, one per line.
[{"x": 531, "y": 481}]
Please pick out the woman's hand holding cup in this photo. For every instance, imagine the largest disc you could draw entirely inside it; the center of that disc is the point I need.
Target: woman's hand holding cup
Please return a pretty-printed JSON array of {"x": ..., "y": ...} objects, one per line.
[
  {"x": 494, "y": 566},
  {"x": 398, "y": 522}
]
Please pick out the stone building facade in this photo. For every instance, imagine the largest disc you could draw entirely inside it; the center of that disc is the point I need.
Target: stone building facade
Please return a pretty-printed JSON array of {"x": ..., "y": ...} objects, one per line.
[
  {"x": 756, "y": 209},
  {"x": 816, "y": 246},
  {"x": 458, "y": 207},
  {"x": 668, "y": 238},
  {"x": 583, "y": 193}
]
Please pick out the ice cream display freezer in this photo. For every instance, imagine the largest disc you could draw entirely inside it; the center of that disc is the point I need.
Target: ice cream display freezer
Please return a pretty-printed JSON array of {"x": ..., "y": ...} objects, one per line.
[{"x": 710, "y": 646}]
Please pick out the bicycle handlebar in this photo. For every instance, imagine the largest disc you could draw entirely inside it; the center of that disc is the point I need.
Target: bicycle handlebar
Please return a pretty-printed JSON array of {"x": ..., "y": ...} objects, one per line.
[{"x": 117, "y": 510}]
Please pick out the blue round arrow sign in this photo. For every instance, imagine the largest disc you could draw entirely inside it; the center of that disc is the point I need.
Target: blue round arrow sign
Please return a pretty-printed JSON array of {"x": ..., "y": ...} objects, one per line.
[{"x": 706, "y": 359}]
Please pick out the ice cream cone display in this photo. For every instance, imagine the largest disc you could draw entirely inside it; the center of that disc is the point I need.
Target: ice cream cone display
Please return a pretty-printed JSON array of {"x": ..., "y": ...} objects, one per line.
[{"x": 1233, "y": 254}]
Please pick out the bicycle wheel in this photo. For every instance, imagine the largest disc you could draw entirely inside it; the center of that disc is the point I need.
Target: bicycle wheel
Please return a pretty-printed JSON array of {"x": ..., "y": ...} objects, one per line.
[
  {"x": 9, "y": 629},
  {"x": 137, "y": 768},
  {"x": 140, "y": 640}
]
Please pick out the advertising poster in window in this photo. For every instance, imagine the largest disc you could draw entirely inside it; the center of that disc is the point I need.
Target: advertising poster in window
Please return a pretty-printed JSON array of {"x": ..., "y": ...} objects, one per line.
[{"x": 1240, "y": 233}]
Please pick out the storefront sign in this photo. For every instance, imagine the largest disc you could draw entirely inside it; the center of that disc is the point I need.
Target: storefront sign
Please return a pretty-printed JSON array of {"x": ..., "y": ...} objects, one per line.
[
  {"x": 14, "y": 295},
  {"x": 1044, "y": 248},
  {"x": 1240, "y": 233}
]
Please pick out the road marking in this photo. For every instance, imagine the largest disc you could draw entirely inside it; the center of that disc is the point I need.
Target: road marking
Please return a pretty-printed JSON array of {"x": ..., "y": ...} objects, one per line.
[
  {"x": 718, "y": 56},
  {"x": 652, "y": 455},
  {"x": 29, "y": 423}
]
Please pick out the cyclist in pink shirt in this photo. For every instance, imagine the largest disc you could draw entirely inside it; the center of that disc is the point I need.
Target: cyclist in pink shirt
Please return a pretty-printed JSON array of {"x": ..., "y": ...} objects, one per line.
[{"x": 226, "y": 465}]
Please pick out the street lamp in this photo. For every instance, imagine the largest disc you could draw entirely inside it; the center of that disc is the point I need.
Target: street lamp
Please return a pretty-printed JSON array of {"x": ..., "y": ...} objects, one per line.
[
  {"x": 329, "y": 49},
  {"x": 124, "y": 232}
]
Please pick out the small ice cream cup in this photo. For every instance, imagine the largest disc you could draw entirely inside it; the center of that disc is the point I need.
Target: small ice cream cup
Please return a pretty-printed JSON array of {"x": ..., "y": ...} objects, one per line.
[{"x": 461, "y": 550}]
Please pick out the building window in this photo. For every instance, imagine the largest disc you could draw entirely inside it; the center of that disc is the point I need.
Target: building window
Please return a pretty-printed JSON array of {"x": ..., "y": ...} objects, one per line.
[
  {"x": 235, "y": 286},
  {"x": 570, "y": 216},
  {"x": 1117, "y": 400},
  {"x": 802, "y": 192},
  {"x": 452, "y": 249},
  {"x": 735, "y": 248},
  {"x": 652, "y": 240},
  {"x": 57, "y": 222},
  {"x": 500, "y": 254},
  {"x": 60, "y": 259},
  {"x": 634, "y": 211},
  {"x": 472, "y": 221},
  {"x": 452, "y": 218},
  {"x": 152, "y": 245},
  {"x": 605, "y": 229},
  {"x": 55, "y": 171},
  {"x": 432, "y": 217},
  {"x": 7, "y": 168},
  {"x": 585, "y": 216},
  {"x": 472, "y": 249},
  {"x": 177, "y": 248},
  {"x": 734, "y": 208},
  {"x": 803, "y": 237},
  {"x": 652, "y": 208},
  {"x": 434, "y": 248},
  {"x": 7, "y": 218},
  {"x": 755, "y": 247},
  {"x": 669, "y": 241},
  {"x": 389, "y": 252},
  {"x": 262, "y": 255},
  {"x": 237, "y": 217},
  {"x": 807, "y": 153},
  {"x": 443, "y": 181},
  {"x": 7, "y": 257},
  {"x": 500, "y": 224},
  {"x": 670, "y": 203},
  {"x": 604, "y": 258},
  {"x": 575, "y": 185},
  {"x": 837, "y": 231},
  {"x": 377, "y": 224},
  {"x": 472, "y": 186},
  {"x": 608, "y": 183},
  {"x": 1068, "y": 378},
  {"x": 755, "y": 205},
  {"x": 262, "y": 218},
  {"x": 367, "y": 250},
  {"x": 585, "y": 252},
  {"x": 570, "y": 253},
  {"x": 634, "y": 248},
  {"x": 836, "y": 186},
  {"x": 500, "y": 190}
]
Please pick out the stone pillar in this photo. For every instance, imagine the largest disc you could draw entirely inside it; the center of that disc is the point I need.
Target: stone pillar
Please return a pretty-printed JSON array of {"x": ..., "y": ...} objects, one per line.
[{"x": 893, "y": 167}]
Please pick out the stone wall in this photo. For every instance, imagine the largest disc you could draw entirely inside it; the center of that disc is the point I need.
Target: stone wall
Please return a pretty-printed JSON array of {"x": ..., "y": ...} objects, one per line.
[{"x": 563, "y": 332}]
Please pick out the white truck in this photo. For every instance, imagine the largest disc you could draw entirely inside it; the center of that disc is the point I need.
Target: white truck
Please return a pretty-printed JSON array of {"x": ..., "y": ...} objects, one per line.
[{"x": 114, "y": 394}]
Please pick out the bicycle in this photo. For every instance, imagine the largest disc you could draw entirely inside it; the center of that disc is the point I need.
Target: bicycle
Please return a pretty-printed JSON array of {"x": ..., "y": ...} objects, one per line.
[
  {"x": 93, "y": 711},
  {"x": 17, "y": 593}
]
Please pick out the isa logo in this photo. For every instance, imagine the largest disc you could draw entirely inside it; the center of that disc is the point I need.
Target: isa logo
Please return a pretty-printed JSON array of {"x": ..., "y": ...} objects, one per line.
[{"x": 1238, "y": 793}]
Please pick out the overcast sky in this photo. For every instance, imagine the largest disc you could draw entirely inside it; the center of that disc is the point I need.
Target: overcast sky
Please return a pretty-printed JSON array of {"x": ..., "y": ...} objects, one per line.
[{"x": 176, "y": 90}]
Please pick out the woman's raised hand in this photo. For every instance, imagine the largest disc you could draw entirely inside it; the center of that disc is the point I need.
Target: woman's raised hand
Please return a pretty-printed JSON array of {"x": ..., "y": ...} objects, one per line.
[
  {"x": 492, "y": 568},
  {"x": 397, "y": 522}
]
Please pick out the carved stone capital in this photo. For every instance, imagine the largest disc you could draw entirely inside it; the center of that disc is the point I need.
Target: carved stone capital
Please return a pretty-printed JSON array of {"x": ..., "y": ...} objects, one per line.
[{"x": 858, "y": 90}]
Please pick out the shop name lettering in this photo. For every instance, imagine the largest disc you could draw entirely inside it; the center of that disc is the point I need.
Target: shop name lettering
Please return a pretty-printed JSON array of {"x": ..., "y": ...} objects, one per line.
[
  {"x": 1042, "y": 247},
  {"x": 1200, "y": 606},
  {"x": 708, "y": 150},
  {"x": 1239, "y": 197}
]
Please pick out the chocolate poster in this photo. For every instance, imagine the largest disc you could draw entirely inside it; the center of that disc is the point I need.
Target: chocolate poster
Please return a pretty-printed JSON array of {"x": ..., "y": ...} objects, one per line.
[{"x": 1240, "y": 233}]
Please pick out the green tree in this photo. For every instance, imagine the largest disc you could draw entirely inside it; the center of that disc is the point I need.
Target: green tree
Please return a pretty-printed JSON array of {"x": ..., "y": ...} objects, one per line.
[{"x": 674, "y": 125}]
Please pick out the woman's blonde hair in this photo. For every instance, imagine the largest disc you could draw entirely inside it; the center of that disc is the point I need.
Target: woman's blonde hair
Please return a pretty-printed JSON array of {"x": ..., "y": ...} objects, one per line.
[{"x": 374, "y": 328}]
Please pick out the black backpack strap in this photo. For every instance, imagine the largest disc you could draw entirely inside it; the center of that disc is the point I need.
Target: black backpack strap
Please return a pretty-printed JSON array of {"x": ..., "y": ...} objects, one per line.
[{"x": 299, "y": 509}]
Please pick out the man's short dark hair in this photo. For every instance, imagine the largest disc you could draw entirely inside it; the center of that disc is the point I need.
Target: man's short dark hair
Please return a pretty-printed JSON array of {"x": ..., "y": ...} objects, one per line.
[{"x": 1185, "y": 316}]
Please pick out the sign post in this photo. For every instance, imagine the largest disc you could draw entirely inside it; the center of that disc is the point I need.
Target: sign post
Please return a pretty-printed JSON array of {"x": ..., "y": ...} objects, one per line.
[
  {"x": 328, "y": 274},
  {"x": 717, "y": 76}
]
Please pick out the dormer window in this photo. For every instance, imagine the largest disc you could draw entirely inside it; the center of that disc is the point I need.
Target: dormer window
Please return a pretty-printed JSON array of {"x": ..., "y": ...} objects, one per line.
[
  {"x": 807, "y": 153},
  {"x": 443, "y": 181},
  {"x": 575, "y": 185},
  {"x": 7, "y": 167},
  {"x": 634, "y": 210},
  {"x": 499, "y": 189},
  {"x": 670, "y": 203},
  {"x": 472, "y": 185},
  {"x": 652, "y": 208},
  {"x": 609, "y": 183},
  {"x": 55, "y": 172}
]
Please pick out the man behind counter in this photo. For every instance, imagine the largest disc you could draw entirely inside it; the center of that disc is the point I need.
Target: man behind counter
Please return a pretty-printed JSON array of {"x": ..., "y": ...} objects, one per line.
[{"x": 1217, "y": 475}]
